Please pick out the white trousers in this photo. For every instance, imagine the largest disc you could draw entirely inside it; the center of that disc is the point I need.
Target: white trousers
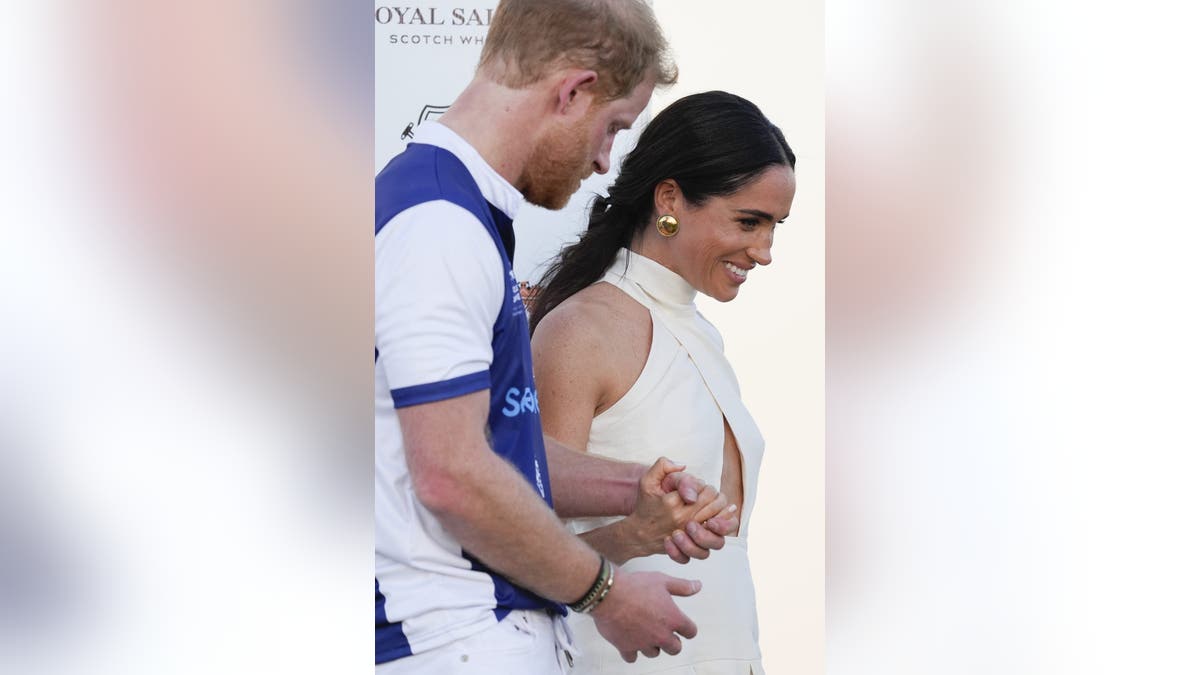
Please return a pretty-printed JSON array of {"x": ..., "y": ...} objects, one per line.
[{"x": 526, "y": 641}]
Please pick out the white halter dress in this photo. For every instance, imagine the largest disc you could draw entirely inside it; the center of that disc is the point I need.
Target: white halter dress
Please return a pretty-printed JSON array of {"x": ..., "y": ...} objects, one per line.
[{"x": 675, "y": 409}]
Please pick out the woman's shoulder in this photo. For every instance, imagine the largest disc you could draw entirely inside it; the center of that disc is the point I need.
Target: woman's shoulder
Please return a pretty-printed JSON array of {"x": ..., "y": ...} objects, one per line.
[
  {"x": 595, "y": 342},
  {"x": 600, "y": 330},
  {"x": 595, "y": 314}
]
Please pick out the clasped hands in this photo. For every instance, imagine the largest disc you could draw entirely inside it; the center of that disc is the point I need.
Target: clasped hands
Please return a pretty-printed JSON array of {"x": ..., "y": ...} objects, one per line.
[{"x": 678, "y": 514}]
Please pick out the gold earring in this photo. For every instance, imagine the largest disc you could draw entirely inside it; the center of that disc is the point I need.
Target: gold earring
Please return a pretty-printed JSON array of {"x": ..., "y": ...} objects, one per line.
[{"x": 668, "y": 226}]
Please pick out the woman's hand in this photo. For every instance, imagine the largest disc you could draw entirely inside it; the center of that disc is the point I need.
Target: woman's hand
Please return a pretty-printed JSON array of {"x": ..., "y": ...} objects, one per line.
[
  {"x": 705, "y": 532},
  {"x": 664, "y": 522}
]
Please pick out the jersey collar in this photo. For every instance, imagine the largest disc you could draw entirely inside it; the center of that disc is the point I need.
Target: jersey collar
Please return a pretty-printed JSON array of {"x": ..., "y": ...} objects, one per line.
[{"x": 499, "y": 192}]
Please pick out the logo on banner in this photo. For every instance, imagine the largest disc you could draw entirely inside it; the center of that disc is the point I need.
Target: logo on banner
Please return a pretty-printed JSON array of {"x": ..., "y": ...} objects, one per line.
[
  {"x": 436, "y": 25},
  {"x": 428, "y": 112}
]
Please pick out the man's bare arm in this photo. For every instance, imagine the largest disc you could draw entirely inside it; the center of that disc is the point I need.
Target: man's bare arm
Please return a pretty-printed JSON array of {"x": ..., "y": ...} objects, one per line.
[
  {"x": 587, "y": 485},
  {"x": 495, "y": 514},
  {"x": 489, "y": 508}
]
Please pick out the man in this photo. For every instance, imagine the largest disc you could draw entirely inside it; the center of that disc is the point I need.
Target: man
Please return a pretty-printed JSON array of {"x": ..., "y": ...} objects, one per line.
[{"x": 472, "y": 565}]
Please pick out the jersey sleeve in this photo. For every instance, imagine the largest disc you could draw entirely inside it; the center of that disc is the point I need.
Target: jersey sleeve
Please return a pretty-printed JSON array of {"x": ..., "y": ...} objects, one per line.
[{"x": 439, "y": 286}]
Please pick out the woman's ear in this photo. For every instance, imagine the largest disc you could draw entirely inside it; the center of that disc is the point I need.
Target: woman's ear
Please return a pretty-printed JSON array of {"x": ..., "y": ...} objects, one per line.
[{"x": 668, "y": 198}]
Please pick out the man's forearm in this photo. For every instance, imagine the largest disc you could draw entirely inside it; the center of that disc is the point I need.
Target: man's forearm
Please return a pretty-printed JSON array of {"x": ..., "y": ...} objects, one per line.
[
  {"x": 586, "y": 485},
  {"x": 615, "y": 542},
  {"x": 496, "y": 516},
  {"x": 486, "y": 505}
]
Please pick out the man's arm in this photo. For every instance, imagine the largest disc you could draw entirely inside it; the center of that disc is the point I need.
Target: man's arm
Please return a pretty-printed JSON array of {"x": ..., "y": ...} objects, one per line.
[
  {"x": 494, "y": 513},
  {"x": 665, "y": 501},
  {"x": 489, "y": 508},
  {"x": 586, "y": 486}
]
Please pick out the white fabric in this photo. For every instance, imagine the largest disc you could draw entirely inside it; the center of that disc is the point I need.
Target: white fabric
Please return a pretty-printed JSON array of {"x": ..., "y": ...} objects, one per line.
[
  {"x": 675, "y": 409},
  {"x": 526, "y": 641},
  {"x": 438, "y": 289}
]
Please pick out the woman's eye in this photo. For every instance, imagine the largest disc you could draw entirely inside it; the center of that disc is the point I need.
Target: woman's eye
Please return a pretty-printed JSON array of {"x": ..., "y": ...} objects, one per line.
[{"x": 748, "y": 223}]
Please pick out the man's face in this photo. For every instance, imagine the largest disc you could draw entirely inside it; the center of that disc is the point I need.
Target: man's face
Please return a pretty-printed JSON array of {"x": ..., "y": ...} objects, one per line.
[{"x": 569, "y": 155}]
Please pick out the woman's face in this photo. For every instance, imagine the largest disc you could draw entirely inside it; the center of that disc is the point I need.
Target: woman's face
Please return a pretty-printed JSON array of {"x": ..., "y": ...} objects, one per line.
[{"x": 721, "y": 241}]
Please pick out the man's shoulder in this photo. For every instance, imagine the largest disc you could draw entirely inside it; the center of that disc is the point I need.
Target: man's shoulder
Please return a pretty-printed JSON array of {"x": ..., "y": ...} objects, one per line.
[
  {"x": 422, "y": 175},
  {"x": 426, "y": 173}
]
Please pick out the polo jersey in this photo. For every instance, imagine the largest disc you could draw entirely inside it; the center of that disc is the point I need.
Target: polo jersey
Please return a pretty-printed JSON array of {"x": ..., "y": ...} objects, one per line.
[{"x": 449, "y": 321}]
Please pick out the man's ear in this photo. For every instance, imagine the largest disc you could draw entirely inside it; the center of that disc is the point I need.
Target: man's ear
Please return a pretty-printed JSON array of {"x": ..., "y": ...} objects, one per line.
[{"x": 576, "y": 91}]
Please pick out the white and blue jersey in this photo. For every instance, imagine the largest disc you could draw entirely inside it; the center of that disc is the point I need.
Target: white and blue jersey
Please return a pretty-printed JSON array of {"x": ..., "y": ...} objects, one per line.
[{"x": 449, "y": 321}]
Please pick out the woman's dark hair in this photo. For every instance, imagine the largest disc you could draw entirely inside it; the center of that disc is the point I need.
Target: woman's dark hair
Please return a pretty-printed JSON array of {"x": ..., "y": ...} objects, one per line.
[{"x": 712, "y": 145}]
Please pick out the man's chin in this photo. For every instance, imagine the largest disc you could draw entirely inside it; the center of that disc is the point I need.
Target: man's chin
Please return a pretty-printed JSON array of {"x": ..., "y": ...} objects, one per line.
[
  {"x": 558, "y": 204},
  {"x": 550, "y": 201}
]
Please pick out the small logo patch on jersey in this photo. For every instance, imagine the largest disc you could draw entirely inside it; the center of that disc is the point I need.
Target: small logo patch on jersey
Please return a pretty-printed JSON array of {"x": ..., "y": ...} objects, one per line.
[{"x": 518, "y": 306}]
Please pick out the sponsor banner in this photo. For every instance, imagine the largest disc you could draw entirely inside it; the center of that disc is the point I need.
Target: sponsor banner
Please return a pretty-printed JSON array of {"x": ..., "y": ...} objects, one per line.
[{"x": 424, "y": 56}]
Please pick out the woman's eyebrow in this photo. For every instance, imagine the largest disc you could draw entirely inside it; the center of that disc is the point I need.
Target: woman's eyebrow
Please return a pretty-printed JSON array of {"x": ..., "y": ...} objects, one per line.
[{"x": 759, "y": 214}]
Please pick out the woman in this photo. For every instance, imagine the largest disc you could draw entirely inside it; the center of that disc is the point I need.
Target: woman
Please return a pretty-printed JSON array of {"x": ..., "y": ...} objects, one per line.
[{"x": 628, "y": 368}]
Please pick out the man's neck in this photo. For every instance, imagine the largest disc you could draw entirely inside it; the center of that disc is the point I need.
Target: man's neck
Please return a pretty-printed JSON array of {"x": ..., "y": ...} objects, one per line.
[{"x": 499, "y": 122}]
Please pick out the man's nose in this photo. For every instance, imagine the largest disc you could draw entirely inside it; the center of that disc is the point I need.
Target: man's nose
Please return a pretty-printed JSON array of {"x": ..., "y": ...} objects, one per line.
[{"x": 601, "y": 163}]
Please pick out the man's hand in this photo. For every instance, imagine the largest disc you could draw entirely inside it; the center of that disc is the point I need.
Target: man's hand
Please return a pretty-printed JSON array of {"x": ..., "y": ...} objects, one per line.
[{"x": 638, "y": 614}]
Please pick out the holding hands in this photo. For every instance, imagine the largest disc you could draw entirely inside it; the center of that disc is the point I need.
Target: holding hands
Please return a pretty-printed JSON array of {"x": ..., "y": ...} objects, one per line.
[{"x": 678, "y": 514}]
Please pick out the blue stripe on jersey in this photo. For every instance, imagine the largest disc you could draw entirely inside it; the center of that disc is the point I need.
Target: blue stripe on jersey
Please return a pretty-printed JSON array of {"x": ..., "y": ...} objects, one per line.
[
  {"x": 440, "y": 391},
  {"x": 390, "y": 634},
  {"x": 508, "y": 596}
]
